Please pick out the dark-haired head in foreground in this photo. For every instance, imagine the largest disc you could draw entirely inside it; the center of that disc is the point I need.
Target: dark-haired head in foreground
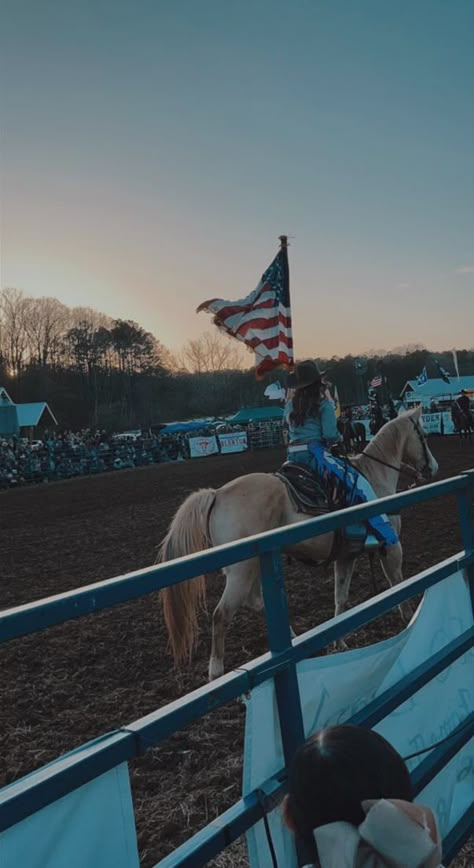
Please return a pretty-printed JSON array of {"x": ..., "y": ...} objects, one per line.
[{"x": 335, "y": 771}]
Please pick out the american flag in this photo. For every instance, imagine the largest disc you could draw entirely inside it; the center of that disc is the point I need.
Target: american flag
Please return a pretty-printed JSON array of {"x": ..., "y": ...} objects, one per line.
[
  {"x": 262, "y": 320},
  {"x": 376, "y": 381}
]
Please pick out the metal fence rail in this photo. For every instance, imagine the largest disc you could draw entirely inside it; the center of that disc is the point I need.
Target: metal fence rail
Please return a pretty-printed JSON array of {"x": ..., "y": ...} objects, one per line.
[{"x": 47, "y": 785}]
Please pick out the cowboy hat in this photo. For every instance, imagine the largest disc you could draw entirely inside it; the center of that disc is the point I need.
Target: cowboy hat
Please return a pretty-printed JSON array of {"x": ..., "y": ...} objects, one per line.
[{"x": 305, "y": 374}]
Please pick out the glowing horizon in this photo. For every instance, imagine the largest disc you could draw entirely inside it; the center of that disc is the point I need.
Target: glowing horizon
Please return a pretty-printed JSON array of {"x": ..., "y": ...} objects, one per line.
[{"x": 151, "y": 158}]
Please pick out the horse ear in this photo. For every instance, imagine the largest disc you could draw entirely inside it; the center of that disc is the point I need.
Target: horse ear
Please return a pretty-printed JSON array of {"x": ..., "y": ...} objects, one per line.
[{"x": 416, "y": 413}]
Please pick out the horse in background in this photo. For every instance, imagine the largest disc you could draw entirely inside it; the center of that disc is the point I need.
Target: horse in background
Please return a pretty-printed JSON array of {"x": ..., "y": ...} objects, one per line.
[
  {"x": 463, "y": 422},
  {"x": 354, "y": 434},
  {"x": 377, "y": 421},
  {"x": 260, "y": 502}
]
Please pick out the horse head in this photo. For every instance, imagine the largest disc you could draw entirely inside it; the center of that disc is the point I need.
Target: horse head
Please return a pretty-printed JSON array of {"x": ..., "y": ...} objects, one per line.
[{"x": 416, "y": 446}]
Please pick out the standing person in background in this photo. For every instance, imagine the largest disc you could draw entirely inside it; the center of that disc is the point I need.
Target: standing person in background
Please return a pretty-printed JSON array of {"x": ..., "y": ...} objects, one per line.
[{"x": 463, "y": 402}]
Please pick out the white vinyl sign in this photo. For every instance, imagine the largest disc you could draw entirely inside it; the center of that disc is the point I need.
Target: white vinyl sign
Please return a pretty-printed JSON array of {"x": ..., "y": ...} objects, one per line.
[
  {"x": 199, "y": 447},
  {"x": 438, "y": 423},
  {"x": 233, "y": 442}
]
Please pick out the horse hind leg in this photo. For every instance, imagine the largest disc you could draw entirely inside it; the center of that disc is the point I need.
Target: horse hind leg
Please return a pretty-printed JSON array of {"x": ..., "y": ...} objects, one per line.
[
  {"x": 240, "y": 590},
  {"x": 343, "y": 570}
]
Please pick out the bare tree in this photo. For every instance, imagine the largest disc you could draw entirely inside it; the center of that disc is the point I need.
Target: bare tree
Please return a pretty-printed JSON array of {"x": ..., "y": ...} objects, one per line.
[
  {"x": 212, "y": 351},
  {"x": 47, "y": 321},
  {"x": 80, "y": 316},
  {"x": 13, "y": 333}
]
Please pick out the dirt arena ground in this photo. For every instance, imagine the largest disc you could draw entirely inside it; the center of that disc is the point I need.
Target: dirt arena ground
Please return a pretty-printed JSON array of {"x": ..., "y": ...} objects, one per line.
[{"x": 76, "y": 681}]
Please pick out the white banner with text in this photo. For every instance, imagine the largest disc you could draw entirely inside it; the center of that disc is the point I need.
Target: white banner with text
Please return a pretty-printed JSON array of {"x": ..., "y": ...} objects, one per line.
[{"x": 233, "y": 442}]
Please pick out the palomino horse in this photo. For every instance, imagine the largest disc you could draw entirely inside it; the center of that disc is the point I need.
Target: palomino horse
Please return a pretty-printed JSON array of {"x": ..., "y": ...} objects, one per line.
[{"x": 259, "y": 502}]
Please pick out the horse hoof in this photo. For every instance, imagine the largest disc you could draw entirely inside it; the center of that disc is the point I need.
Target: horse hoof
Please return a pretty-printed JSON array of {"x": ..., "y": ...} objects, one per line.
[
  {"x": 216, "y": 669},
  {"x": 340, "y": 645},
  {"x": 406, "y": 612}
]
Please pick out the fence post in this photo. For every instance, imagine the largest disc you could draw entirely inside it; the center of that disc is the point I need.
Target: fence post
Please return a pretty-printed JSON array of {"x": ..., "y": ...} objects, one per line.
[
  {"x": 279, "y": 639},
  {"x": 465, "y": 501}
]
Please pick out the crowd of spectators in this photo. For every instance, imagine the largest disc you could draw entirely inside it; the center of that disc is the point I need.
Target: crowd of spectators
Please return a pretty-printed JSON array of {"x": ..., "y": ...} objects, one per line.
[
  {"x": 361, "y": 411},
  {"x": 66, "y": 455},
  {"x": 63, "y": 456}
]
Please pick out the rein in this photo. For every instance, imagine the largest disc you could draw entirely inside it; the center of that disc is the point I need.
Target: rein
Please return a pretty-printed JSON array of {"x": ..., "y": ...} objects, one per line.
[{"x": 412, "y": 471}]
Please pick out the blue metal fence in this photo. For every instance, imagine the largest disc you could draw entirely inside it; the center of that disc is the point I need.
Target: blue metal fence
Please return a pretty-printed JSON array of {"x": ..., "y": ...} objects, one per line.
[{"x": 51, "y": 783}]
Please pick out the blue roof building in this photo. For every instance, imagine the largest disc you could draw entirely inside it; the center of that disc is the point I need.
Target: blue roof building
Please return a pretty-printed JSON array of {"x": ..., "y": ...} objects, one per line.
[
  {"x": 22, "y": 418},
  {"x": 435, "y": 389}
]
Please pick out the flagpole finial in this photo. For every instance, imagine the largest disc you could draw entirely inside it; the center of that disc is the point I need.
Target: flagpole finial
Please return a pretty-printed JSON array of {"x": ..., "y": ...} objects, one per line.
[{"x": 283, "y": 239}]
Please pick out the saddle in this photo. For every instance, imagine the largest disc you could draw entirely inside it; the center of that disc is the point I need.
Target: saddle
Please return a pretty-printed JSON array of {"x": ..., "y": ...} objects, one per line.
[
  {"x": 304, "y": 488},
  {"x": 309, "y": 496}
]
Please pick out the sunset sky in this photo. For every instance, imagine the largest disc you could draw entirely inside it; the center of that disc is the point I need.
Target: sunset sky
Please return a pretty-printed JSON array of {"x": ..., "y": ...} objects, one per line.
[{"x": 153, "y": 150}]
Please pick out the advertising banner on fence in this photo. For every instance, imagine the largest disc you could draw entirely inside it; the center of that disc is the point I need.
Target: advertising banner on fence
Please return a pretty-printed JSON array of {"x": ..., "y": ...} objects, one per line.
[
  {"x": 438, "y": 423},
  {"x": 433, "y": 423},
  {"x": 335, "y": 687},
  {"x": 233, "y": 442},
  {"x": 199, "y": 447}
]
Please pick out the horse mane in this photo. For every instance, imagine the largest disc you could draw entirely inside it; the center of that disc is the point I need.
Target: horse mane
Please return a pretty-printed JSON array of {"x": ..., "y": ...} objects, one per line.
[{"x": 389, "y": 436}]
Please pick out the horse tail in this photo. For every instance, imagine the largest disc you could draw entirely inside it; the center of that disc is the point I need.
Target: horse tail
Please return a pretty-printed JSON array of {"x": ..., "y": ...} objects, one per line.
[{"x": 188, "y": 533}]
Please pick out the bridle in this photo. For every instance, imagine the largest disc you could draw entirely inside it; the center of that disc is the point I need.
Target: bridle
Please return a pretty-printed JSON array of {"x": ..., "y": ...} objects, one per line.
[
  {"x": 422, "y": 438},
  {"x": 411, "y": 471}
]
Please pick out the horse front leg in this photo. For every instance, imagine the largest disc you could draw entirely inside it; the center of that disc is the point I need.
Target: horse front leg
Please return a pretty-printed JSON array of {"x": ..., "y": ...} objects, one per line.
[
  {"x": 343, "y": 570},
  {"x": 391, "y": 562}
]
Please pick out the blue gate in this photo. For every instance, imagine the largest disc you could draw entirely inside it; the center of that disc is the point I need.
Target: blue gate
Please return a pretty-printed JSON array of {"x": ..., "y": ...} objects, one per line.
[{"x": 29, "y": 795}]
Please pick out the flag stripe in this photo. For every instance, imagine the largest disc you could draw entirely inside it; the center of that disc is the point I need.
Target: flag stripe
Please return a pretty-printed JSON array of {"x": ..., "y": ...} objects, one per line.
[
  {"x": 261, "y": 319},
  {"x": 225, "y": 310},
  {"x": 261, "y": 326},
  {"x": 272, "y": 342}
]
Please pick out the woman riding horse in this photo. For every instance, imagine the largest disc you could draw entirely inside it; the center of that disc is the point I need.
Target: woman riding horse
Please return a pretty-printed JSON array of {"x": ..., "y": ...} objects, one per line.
[{"x": 312, "y": 429}]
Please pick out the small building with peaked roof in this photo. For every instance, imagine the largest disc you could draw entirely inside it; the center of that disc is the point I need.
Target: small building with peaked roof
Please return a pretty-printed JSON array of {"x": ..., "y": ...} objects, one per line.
[
  {"x": 23, "y": 419},
  {"x": 436, "y": 389}
]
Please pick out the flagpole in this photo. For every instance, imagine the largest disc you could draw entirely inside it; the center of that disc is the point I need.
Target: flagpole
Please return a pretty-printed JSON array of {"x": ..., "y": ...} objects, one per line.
[{"x": 283, "y": 239}]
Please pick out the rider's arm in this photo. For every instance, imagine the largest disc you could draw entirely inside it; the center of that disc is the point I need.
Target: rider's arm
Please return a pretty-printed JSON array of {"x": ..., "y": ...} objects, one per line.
[{"x": 329, "y": 423}]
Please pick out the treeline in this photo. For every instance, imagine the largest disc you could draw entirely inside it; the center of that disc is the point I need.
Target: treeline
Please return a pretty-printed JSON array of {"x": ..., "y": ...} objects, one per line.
[
  {"x": 113, "y": 374},
  {"x": 96, "y": 371},
  {"x": 395, "y": 367}
]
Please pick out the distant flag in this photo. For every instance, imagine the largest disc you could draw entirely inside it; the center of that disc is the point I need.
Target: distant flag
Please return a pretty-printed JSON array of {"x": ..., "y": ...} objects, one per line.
[
  {"x": 422, "y": 378},
  {"x": 262, "y": 320},
  {"x": 443, "y": 373},
  {"x": 455, "y": 360},
  {"x": 337, "y": 403},
  {"x": 376, "y": 381}
]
